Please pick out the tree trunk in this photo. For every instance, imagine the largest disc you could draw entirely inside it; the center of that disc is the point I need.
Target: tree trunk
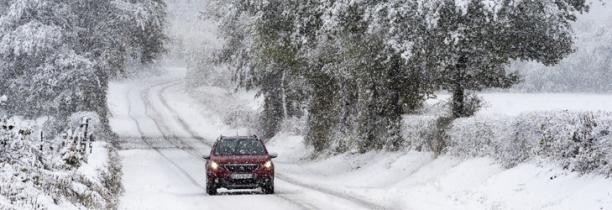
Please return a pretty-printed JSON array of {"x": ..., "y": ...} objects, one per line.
[
  {"x": 272, "y": 115},
  {"x": 284, "y": 94},
  {"x": 274, "y": 104},
  {"x": 345, "y": 132},
  {"x": 458, "y": 105},
  {"x": 458, "y": 101},
  {"x": 322, "y": 115},
  {"x": 368, "y": 117},
  {"x": 394, "y": 116}
]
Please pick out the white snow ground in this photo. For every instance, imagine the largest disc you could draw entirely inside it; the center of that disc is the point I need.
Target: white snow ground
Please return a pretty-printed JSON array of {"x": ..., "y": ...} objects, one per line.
[
  {"x": 164, "y": 135},
  {"x": 414, "y": 180},
  {"x": 516, "y": 103},
  {"x": 165, "y": 132}
]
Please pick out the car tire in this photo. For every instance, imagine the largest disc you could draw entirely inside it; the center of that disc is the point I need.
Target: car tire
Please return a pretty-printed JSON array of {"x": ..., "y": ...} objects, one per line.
[
  {"x": 269, "y": 189},
  {"x": 211, "y": 189}
]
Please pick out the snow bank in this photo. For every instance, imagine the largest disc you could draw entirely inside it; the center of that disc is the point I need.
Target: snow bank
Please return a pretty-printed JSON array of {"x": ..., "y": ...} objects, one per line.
[
  {"x": 418, "y": 180},
  {"x": 529, "y": 160}
]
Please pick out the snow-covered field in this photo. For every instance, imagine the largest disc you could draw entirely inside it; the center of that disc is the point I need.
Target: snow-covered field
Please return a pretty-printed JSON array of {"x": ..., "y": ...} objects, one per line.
[
  {"x": 518, "y": 103},
  {"x": 166, "y": 127}
]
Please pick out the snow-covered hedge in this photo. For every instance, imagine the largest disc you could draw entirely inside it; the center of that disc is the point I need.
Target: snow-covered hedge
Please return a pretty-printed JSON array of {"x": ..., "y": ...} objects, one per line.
[
  {"x": 418, "y": 130},
  {"x": 37, "y": 174},
  {"x": 579, "y": 142}
]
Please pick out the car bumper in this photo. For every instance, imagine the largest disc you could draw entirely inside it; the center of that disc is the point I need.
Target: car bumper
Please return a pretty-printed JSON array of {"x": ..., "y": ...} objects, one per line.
[{"x": 230, "y": 184}]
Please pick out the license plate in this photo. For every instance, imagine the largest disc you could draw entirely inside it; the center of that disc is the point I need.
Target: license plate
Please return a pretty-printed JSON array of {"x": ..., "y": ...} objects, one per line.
[{"x": 241, "y": 176}]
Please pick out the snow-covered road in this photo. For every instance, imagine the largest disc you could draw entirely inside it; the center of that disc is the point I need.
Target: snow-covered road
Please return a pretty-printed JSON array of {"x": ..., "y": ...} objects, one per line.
[
  {"x": 163, "y": 137},
  {"x": 166, "y": 128}
]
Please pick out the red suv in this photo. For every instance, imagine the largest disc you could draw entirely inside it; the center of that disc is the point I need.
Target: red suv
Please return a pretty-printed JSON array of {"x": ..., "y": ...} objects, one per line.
[{"x": 239, "y": 162}]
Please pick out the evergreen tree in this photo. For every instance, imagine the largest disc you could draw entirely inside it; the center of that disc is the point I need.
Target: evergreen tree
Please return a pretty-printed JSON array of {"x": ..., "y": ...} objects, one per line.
[
  {"x": 151, "y": 36},
  {"x": 480, "y": 40},
  {"x": 586, "y": 70},
  {"x": 263, "y": 55},
  {"x": 370, "y": 59}
]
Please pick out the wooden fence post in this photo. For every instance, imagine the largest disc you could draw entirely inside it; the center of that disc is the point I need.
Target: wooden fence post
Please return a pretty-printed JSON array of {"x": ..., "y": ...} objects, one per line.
[
  {"x": 84, "y": 141},
  {"x": 91, "y": 140},
  {"x": 41, "y": 141}
]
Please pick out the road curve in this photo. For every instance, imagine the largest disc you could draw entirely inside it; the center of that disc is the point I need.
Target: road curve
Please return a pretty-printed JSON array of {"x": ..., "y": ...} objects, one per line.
[
  {"x": 280, "y": 176},
  {"x": 171, "y": 149}
]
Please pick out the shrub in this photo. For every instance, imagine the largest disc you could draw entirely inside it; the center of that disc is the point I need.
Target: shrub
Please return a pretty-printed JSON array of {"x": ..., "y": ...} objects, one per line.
[
  {"x": 580, "y": 142},
  {"x": 36, "y": 174}
]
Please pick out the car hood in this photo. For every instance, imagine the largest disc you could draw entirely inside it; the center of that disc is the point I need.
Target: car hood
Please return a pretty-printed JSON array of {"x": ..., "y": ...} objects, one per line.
[{"x": 241, "y": 159}]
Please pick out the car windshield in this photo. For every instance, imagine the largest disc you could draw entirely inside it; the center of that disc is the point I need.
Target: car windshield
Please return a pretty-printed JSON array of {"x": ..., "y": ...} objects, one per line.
[{"x": 240, "y": 147}]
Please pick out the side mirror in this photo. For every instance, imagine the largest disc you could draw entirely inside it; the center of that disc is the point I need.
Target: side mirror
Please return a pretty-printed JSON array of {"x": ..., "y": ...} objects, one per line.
[
  {"x": 206, "y": 157},
  {"x": 273, "y": 155}
]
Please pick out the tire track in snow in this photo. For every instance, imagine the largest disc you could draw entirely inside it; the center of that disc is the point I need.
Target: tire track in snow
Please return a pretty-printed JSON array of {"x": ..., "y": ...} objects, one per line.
[
  {"x": 188, "y": 129},
  {"x": 178, "y": 142},
  {"x": 159, "y": 127},
  {"x": 176, "y": 116},
  {"x": 344, "y": 196},
  {"x": 201, "y": 139},
  {"x": 157, "y": 150}
]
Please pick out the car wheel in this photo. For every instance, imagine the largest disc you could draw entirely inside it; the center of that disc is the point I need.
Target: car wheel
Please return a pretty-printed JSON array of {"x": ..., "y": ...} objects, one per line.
[
  {"x": 269, "y": 189},
  {"x": 211, "y": 189}
]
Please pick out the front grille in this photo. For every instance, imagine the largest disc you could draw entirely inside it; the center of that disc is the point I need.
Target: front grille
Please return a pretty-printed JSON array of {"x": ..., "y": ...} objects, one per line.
[
  {"x": 241, "y": 168},
  {"x": 243, "y": 182}
]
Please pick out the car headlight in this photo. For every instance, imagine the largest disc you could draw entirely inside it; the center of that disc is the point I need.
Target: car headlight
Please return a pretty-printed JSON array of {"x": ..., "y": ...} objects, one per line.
[
  {"x": 213, "y": 165},
  {"x": 268, "y": 164}
]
